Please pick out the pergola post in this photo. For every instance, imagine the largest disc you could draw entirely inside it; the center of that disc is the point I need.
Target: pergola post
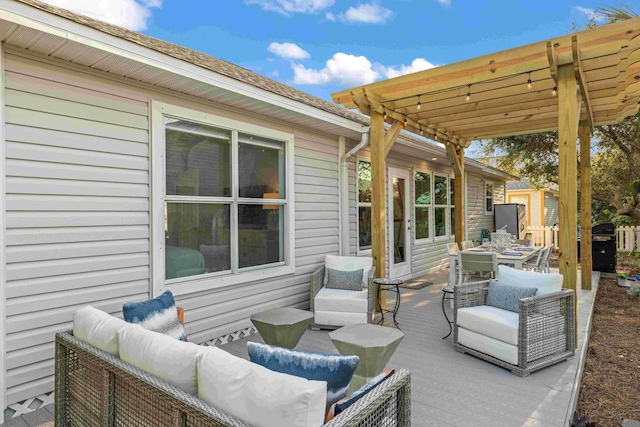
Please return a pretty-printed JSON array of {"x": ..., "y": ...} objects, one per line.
[
  {"x": 378, "y": 210},
  {"x": 568, "y": 116},
  {"x": 456, "y": 158},
  {"x": 584, "y": 133}
]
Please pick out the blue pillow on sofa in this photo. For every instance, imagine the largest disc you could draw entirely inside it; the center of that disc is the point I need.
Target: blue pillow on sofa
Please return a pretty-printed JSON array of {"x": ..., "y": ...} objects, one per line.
[
  {"x": 336, "y": 370},
  {"x": 158, "y": 315},
  {"x": 508, "y": 297},
  {"x": 343, "y": 404}
]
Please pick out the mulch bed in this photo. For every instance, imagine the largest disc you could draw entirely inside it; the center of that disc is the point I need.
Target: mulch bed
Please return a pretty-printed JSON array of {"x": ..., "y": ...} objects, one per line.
[{"x": 610, "y": 390}]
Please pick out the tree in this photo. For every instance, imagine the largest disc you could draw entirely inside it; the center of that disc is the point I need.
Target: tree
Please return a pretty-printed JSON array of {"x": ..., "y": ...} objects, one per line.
[{"x": 616, "y": 148}]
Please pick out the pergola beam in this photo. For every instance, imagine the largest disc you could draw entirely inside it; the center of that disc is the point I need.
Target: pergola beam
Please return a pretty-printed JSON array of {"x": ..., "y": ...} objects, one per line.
[
  {"x": 552, "y": 57},
  {"x": 577, "y": 68},
  {"x": 392, "y": 135}
]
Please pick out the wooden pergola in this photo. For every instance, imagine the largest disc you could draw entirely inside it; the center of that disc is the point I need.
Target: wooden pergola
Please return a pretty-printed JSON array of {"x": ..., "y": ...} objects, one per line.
[{"x": 569, "y": 84}]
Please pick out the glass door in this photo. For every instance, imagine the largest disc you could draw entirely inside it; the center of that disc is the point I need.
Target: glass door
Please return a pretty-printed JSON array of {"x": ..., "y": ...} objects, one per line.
[{"x": 399, "y": 214}]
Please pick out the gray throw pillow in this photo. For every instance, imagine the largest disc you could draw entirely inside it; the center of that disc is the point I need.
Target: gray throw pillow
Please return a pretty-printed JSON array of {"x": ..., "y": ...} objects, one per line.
[
  {"x": 345, "y": 280},
  {"x": 508, "y": 297}
]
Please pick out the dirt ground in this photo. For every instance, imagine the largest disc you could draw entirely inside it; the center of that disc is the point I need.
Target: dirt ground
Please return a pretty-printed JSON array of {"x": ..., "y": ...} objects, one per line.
[{"x": 610, "y": 390}]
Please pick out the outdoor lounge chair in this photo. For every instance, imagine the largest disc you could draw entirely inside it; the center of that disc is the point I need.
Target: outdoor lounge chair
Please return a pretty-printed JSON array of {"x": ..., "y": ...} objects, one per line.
[
  {"x": 539, "y": 334},
  {"x": 334, "y": 308}
]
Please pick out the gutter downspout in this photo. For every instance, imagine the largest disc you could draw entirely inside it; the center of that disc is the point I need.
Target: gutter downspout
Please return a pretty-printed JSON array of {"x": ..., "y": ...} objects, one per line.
[{"x": 344, "y": 187}]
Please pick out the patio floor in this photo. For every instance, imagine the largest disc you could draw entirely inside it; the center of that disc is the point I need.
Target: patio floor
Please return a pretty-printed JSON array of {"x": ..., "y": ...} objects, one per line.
[{"x": 449, "y": 388}]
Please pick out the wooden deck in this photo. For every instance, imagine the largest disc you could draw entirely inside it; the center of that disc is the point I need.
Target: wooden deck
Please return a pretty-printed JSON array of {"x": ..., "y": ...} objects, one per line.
[{"x": 449, "y": 388}]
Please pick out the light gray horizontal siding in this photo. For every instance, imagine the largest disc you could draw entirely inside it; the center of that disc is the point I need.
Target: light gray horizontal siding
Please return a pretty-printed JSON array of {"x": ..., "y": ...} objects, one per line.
[
  {"x": 77, "y": 184},
  {"x": 550, "y": 209}
]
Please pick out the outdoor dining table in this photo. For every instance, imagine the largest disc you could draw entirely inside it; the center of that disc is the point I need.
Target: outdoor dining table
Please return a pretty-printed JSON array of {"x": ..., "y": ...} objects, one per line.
[{"x": 515, "y": 260}]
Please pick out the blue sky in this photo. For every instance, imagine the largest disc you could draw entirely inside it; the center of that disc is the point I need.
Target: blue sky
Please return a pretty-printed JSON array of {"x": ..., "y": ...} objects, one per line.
[{"x": 322, "y": 46}]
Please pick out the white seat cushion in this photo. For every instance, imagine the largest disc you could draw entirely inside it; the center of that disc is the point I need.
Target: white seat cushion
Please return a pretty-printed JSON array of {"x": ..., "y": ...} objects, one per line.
[
  {"x": 496, "y": 348},
  {"x": 341, "y": 300},
  {"x": 337, "y": 318},
  {"x": 167, "y": 358},
  {"x": 98, "y": 328},
  {"x": 348, "y": 263},
  {"x": 544, "y": 282},
  {"x": 491, "y": 321},
  {"x": 258, "y": 396}
]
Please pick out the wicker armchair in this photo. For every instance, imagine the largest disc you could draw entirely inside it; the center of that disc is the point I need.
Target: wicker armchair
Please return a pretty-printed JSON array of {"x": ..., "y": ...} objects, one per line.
[
  {"x": 317, "y": 283},
  {"x": 545, "y": 333}
]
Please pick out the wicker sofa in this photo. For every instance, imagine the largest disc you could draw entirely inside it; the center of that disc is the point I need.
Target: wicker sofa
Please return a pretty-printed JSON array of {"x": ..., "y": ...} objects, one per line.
[
  {"x": 94, "y": 388},
  {"x": 540, "y": 334}
]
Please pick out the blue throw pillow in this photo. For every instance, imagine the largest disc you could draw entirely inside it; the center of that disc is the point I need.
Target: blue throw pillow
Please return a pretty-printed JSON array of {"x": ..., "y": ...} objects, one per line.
[
  {"x": 508, "y": 297},
  {"x": 343, "y": 404},
  {"x": 336, "y": 370},
  {"x": 158, "y": 315},
  {"x": 346, "y": 280}
]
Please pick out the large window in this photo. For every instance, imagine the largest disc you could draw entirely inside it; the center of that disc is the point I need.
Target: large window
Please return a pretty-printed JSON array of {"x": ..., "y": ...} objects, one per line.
[
  {"x": 364, "y": 205},
  {"x": 422, "y": 185},
  {"x": 225, "y": 196},
  {"x": 441, "y": 205},
  {"x": 488, "y": 198}
]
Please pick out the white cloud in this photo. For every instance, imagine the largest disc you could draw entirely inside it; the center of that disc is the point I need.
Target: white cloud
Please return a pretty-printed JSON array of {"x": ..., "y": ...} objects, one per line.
[
  {"x": 330, "y": 17},
  {"x": 131, "y": 14},
  {"x": 592, "y": 14},
  {"x": 417, "y": 64},
  {"x": 288, "y": 50},
  {"x": 367, "y": 13},
  {"x": 445, "y": 3},
  {"x": 351, "y": 70},
  {"x": 287, "y": 7}
]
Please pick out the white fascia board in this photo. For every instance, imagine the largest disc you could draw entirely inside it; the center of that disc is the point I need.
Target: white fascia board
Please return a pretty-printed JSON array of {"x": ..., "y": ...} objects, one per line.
[{"x": 40, "y": 20}]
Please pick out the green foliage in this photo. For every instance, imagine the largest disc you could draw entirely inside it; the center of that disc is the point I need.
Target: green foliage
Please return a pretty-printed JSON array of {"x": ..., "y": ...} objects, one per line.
[{"x": 634, "y": 291}]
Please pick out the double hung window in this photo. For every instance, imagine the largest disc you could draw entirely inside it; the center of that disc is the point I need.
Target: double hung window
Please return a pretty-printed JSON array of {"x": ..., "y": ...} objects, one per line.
[
  {"x": 488, "y": 198},
  {"x": 423, "y": 202},
  {"x": 433, "y": 206},
  {"x": 364, "y": 205}
]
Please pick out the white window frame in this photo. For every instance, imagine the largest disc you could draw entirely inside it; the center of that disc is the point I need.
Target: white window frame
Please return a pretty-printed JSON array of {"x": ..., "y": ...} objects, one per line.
[
  {"x": 493, "y": 197},
  {"x": 359, "y": 204},
  {"x": 192, "y": 284},
  {"x": 447, "y": 234},
  {"x": 452, "y": 205},
  {"x": 429, "y": 207}
]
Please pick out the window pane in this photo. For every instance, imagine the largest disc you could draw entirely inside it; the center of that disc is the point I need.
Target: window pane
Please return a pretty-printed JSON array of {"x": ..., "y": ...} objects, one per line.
[
  {"x": 261, "y": 167},
  {"x": 197, "y": 239},
  {"x": 422, "y": 223},
  {"x": 364, "y": 182},
  {"x": 423, "y": 188},
  {"x": 489, "y": 206},
  {"x": 198, "y": 159},
  {"x": 453, "y": 221},
  {"x": 451, "y": 190},
  {"x": 440, "y": 221},
  {"x": 260, "y": 234},
  {"x": 489, "y": 190},
  {"x": 364, "y": 227},
  {"x": 440, "y": 190}
]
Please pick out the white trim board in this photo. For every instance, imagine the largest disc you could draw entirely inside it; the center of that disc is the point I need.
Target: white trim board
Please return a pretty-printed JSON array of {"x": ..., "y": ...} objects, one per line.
[{"x": 3, "y": 216}]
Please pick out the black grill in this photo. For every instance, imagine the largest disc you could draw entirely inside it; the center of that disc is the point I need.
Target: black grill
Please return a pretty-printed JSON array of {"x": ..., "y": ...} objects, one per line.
[{"x": 603, "y": 243}]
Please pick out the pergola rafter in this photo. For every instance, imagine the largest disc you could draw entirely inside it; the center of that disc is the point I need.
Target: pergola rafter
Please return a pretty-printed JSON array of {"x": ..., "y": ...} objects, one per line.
[{"x": 580, "y": 80}]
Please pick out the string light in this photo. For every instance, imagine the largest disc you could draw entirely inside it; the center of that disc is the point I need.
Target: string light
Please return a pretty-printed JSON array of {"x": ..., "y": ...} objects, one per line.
[
  {"x": 384, "y": 113},
  {"x": 554, "y": 92},
  {"x": 405, "y": 119},
  {"x": 436, "y": 134},
  {"x": 421, "y": 130},
  {"x": 419, "y": 102},
  {"x": 468, "y": 93},
  {"x": 529, "y": 81}
]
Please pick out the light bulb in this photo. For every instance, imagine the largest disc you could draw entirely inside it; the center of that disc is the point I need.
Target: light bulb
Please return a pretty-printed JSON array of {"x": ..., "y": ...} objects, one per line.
[
  {"x": 468, "y": 93},
  {"x": 529, "y": 81},
  {"x": 421, "y": 130},
  {"x": 419, "y": 102},
  {"x": 554, "y": 92},
  {"x": 384, "y": 113}
]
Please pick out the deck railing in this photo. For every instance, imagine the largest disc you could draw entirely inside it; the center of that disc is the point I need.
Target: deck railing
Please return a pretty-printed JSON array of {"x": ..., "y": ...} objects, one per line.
[{"x": 628, "y": 238}]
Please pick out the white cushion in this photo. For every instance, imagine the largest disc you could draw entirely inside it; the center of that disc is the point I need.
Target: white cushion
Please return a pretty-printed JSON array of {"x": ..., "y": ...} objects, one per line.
[
  {"x": 341, "y": 300},
  {"x": 165, "y": 357},
  {"x": 498, "y": 349},
  {"x": 98, "y": 328},
  {"x": 337, "y": 318},
  {"x": 258, "y": 396},
  {"x": 490, "y": 321},
  {"x": 544, "y": 282},
  {"x": 349, "y": 263}
]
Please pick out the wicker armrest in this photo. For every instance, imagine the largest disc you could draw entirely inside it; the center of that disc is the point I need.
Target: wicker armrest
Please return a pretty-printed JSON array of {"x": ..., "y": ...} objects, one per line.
[
  {"x": 470, "y": 294},
  {"x": 547, "y": 324}
]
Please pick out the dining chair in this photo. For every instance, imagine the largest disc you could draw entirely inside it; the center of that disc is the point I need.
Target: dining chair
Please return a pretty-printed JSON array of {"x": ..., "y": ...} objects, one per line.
[
  {"x": 482, "y": 263},
  {"x": 466, "y": 244},
  {"x": 538, "y": 264},
  {"x": 545, "y": 261},
  {"x": 452, "y": 249}
]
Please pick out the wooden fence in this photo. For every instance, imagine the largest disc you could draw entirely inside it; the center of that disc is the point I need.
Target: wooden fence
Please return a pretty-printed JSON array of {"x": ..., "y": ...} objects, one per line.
[{"x": 628, "y": 238}]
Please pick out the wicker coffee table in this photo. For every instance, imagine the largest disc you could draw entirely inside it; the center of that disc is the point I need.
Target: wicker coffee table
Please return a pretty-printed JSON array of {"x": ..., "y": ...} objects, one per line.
[
  {"x": 372, "y": 343},
  {"x": 282, "y": 326}
]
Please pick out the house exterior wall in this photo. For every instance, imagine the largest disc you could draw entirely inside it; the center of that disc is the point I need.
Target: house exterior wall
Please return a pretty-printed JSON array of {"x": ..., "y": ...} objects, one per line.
[
  {"x": 550, "y": 209},
  {"x": 478, "y": 220},
  {"x": 78, "y": 209}
]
